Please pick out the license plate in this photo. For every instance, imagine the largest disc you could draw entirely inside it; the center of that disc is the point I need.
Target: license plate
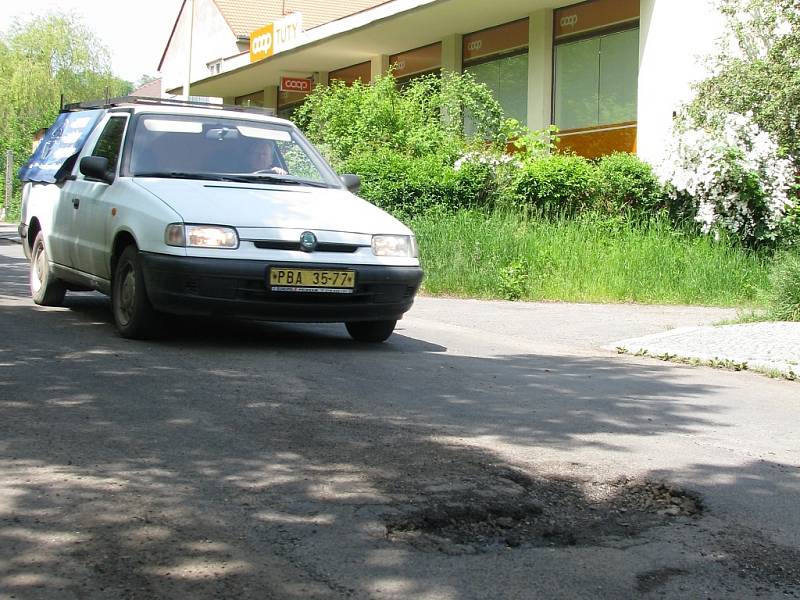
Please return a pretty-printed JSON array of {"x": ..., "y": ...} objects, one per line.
[{"x": 312, "y": 280}]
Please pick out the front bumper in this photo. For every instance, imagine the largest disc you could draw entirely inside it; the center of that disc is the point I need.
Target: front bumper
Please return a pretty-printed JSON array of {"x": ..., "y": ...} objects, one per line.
[{"x": 220, "y": 286}]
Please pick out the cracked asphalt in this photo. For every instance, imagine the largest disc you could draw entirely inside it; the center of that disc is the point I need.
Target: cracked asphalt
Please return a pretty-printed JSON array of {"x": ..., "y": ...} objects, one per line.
[{"x": 255, "y": 460}]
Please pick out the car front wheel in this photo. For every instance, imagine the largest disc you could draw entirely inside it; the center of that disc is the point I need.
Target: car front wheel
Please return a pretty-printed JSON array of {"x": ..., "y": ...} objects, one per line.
[
  {"x": 370, "y": 331},
  {"x": 134, "y": 316},
  {"x": 46, "y": 290}
]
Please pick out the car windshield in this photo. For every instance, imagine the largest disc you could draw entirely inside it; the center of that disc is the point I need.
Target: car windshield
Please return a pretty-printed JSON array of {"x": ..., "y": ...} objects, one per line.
[{"x": 213, "y": 148}]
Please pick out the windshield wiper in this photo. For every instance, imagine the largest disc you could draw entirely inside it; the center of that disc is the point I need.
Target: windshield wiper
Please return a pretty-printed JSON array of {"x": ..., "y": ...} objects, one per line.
[
  {"x": 186, "y": 175},
  {"x": 234, "y": 177},
  {"x": 280, "y": 179}
]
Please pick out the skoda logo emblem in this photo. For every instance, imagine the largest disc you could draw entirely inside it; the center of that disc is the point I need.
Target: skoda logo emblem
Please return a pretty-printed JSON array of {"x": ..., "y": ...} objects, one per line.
[{"x": 308, "y": 241}]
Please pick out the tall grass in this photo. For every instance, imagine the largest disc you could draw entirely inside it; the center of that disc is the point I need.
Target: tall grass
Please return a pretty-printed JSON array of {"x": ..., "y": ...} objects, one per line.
[{"x": 588, "y": 259}]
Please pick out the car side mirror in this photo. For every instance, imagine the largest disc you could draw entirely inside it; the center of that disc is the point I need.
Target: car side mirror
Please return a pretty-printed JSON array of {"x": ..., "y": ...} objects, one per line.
[
  {"x": 96, "y": 167},
  {"x": 351, "y": 182}
]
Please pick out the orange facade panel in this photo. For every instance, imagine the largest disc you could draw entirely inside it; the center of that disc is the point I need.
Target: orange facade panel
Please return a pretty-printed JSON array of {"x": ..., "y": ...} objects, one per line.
[
  {"x": 350, "y": 75},
  {"x": 495, "y": 40},
  {"x": 599, "y": 141},
  {"x": 420, "y": 60},
  {"x": 596, "y": 14}
]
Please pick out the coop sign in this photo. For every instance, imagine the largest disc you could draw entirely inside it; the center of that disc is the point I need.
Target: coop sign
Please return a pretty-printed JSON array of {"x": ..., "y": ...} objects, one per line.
[
  {"x": 276, "y": 37},
  {"x": 296, "y": 84}
]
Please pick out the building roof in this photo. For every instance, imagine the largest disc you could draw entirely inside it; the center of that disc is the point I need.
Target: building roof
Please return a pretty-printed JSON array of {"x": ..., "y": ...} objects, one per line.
[
  {"x": 245, "y": 16},
  {"x": 151, "y": 89}
]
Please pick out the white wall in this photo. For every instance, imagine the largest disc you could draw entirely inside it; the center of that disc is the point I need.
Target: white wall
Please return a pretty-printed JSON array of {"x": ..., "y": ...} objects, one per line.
[
  {"x": 674, "y": 36},
  {"x": 212, "y": 39}
]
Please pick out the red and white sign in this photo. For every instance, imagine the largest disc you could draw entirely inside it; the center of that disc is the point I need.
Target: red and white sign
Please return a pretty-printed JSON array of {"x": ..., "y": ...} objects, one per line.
[{"x": 296, "y": 84}]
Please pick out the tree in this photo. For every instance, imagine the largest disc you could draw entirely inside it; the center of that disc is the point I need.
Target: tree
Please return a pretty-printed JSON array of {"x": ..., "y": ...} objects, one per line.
[
  {"x": 41, "y": 61},
  {"x": 758, "y": 70}
]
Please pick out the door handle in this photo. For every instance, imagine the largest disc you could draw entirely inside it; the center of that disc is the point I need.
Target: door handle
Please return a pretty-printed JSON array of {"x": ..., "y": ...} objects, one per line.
[{"x": 76, "y": 202}]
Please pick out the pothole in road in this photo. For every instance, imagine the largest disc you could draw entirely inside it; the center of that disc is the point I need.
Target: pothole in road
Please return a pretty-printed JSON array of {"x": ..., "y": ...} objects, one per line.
[{"x": 539, "y": 512}]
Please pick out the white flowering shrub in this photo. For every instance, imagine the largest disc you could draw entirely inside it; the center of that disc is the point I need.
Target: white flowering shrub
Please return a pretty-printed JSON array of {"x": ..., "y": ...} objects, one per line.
[
  {"x": 492, "y": 160},
  {"x": 493, "y": 171},
  {"x": 728, "y": 175}
]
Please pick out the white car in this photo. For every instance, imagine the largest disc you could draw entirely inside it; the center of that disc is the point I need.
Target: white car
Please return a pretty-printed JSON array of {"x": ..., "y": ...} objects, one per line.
[{"x": 173, "y": 207}]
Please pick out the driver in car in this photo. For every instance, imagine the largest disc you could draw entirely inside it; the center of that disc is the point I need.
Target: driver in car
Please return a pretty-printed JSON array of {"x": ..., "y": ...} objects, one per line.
[{"x": 263, "y": 159}]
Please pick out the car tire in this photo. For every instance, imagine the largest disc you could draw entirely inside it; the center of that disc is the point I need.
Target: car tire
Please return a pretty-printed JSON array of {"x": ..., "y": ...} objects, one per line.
[
  {"x": 134, "y": 316},
  {"x": 372, "y": 332},
  {"x": 46, "y": 290}
]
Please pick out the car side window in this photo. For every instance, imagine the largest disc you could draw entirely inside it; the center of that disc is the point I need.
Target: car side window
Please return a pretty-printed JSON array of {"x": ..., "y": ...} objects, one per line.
[{"x": 109, "y": 144}]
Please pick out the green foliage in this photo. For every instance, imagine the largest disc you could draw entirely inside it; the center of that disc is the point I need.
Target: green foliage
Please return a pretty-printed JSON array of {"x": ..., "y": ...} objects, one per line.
[
  {"x": 756, "y": 71},
  {"x": 423, "y": 118},
  {"x": 784, "y": 290},
  {"x": 628, "y": 184},
  {"x": 586, "y": 259},
  {"x": 788, "y": 234},
  {"x": 558, "y": 184},
  {"x": 513, "y": 279},
  {"x": 40, "y": 61},
  {"x": 406, "y": 185}
]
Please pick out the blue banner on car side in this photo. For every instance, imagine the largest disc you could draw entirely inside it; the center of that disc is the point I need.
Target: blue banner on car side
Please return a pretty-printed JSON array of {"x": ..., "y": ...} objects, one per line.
[{"x": 62, "y": 142}]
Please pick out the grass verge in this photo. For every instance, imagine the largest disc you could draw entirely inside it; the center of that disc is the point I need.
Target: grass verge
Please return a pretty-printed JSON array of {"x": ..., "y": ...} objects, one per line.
[{"x": 588, "y": 259}]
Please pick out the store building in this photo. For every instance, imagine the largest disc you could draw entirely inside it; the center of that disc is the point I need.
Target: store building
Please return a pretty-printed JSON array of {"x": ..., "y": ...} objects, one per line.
[{"x": 608, "y": 73}]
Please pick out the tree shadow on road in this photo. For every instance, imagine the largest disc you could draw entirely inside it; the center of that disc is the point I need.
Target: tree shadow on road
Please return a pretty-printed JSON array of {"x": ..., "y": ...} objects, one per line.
[{"x": 261, "y": 461}]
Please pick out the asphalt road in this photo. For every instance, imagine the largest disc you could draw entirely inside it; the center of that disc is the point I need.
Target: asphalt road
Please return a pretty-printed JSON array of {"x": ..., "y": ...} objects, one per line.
[{"x": 487, "y": 450}]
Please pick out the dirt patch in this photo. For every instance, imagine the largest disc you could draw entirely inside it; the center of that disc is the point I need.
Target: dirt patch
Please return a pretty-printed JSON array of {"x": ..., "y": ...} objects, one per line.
[
  {"x": 752, "y": 555},
  {"x": 539, "y": 512}
]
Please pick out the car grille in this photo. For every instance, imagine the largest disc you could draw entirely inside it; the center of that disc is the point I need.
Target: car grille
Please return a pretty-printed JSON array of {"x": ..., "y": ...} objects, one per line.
[{"x": 321, "y": 246}]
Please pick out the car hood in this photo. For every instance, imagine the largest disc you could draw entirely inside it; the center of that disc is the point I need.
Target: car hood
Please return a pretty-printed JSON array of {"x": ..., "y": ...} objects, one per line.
[{"x": 256, "y": 205}]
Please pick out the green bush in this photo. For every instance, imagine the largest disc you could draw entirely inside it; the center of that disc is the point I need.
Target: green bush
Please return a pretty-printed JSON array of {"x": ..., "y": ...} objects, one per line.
[
  {"x": 784, "y": 295},
  {"x": 558, "y": 184},
  {"x": 422, "y": 119},
  {"x": 406, "y": 185},
  {"x": 788, "y": 235},
  {"x": 755, "y": 71},
  {"x": 628, "y": 184},
  {"x": 402, "y": 184}
]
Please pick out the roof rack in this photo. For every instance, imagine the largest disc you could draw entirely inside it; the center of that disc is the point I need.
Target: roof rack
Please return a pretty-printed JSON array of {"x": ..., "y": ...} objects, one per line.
[{"x": 143, "y": 100}]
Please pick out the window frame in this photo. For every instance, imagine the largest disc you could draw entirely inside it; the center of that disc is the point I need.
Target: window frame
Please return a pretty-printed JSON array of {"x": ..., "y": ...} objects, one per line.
[
  {"x": 579, "y": 37},
  {"x": 112, "y": 117}
]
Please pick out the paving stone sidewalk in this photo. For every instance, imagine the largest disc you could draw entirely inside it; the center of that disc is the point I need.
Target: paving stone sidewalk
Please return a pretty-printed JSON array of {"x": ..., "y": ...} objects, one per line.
[{"x": 772, "y": 346}]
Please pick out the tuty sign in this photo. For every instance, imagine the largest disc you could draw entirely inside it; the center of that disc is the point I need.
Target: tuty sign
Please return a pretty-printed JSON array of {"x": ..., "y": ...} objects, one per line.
[{"x": 276, "y": 37}]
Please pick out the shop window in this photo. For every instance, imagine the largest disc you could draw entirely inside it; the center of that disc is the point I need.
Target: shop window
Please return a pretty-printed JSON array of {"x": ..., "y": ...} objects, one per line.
[
  {"x": 498, "y": 58},
  {"x": 349, "y": 75},
  {"x": 596, "y": 70},
  {"x": 507, "y": 78},
  {"x": 596, "y": 80},
  {"x": 407, "y": 66}
]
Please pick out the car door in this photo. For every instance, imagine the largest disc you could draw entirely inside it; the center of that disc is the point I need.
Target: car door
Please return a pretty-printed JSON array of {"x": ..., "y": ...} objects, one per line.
[
  {"x": 63, "y": 228},
  {"x": 90, "y": 199}
]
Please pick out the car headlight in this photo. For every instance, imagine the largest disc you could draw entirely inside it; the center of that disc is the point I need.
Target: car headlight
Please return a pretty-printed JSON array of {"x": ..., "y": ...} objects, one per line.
[
  {"x": 201, "y": 236},
  {"x": 394, "y": 245}
]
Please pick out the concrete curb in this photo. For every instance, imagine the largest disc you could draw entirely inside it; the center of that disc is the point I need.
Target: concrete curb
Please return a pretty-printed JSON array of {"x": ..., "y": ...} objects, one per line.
[{"x": 771, "y": 347}]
